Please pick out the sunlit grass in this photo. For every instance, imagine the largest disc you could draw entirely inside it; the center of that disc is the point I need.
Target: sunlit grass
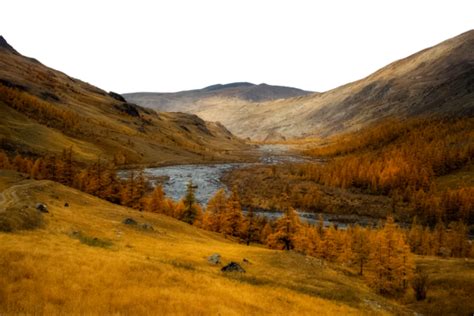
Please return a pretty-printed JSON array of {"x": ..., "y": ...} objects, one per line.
[{"x": 51, "y": 270}]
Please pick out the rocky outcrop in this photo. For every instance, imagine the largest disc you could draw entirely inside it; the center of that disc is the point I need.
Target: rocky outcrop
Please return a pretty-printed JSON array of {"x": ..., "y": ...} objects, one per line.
[{"x": 233, "y": 267}]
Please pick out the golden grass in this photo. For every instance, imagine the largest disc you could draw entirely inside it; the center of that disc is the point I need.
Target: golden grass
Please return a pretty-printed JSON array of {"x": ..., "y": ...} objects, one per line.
[
  {"x": 165, "y": 271},
  {"x": 450, "y": 289}
]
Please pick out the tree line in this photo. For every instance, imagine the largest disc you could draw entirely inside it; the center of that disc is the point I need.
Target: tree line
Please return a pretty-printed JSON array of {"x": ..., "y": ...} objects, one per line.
[{"x": 403, "y": 159}]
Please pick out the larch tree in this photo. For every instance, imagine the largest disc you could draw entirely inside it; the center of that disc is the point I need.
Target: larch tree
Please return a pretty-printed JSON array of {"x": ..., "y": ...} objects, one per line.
[
  {"x": 215, "y": 210},
  {"x": 232, "y": 218},
  {"x": 360, "y": 248},
  {"x": 4, "y": 161},
  {"x": 156, "y": 202},
  {"x": 390, "y": 260},
  {"x": 286, "y": 229},
  {"x": 190, "y": 210}
]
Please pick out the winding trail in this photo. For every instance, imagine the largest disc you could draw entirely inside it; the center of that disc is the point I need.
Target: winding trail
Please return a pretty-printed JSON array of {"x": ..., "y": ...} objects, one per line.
[{"x": 10, "y": 196}]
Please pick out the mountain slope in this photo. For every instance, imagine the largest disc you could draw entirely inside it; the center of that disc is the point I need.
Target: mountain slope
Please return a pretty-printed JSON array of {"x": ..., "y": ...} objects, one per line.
[
  {"x": 437, "y": 80},
  {"x": 44, "y": 111},
  {"x": 194, "y": 101}
]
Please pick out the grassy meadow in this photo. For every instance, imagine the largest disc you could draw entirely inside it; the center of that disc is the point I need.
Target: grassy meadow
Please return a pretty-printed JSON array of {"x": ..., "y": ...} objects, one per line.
[
  {"x": 84, "y": 260},
  {"x": 81, "y": 259}
]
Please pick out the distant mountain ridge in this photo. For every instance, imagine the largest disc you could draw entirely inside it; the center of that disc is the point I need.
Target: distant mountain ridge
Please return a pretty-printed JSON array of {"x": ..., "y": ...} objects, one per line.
[
  {"x": 435, "y": 81},
  {"x": 184, "y": 100}
]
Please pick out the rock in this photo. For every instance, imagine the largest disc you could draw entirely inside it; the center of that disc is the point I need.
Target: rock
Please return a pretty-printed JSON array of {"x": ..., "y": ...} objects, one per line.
[
  {"x": 66, "y": 204},
  {"x": 129, "y": 221},
  {"x": 233, "y": 267},
  {"x": 42, "y": 207},
  {"x": 146, "y": 226},
  {"x": 245, "y": 260},
  {"x": 214, "y": 259},
  {"x": 128, "y": 108},
  {"x": 117, "y": 96}
]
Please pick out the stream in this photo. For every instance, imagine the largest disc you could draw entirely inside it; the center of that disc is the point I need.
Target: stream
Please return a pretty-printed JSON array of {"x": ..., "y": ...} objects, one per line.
[{"x": 206, "y": 177}]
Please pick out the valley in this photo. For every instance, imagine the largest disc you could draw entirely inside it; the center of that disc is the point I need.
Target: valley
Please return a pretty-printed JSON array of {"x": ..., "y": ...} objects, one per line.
[
  {"x": 434, "y": 81},
  {"x": 358, "y": 200}
]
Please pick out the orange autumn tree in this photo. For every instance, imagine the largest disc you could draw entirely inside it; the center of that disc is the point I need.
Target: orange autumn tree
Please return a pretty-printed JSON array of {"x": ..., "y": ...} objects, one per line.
[
  {"x": 232, "y": 217},
  {"x": 390, "y": 261},
  {"x": 286, "y": 231},
  {"x": 157, "y": 202},
  {"x": 216, "y": 208}
]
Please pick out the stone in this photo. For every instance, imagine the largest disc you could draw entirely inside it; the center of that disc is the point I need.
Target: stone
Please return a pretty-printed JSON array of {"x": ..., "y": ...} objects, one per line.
[
  {"x": 66, "y": 204},
  {"x": 42, "y": 207},
  {"x": 117, "y": 96},
  {"x": 146, "y": 226},
  {"x": 233, "y": 267},
  {"x": 214, "y": 258},
  {"x": 128, "y": 108},
  {"x": 129, "y": 221}
]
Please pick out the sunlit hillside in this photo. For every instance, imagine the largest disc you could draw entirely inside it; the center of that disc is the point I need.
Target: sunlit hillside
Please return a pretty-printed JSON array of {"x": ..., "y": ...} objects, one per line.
[
  {"x": 43, "y": 111},
  {"x": 82, "y": 258},
  {"x": 434, "y": 80}
]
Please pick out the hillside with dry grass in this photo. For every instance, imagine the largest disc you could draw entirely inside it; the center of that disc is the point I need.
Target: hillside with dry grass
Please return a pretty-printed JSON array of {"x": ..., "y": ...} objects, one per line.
[
  {"x": 86, "y": 260},
  {"x": 437, "y": 80},
  {"x": 43, "y": 111}
]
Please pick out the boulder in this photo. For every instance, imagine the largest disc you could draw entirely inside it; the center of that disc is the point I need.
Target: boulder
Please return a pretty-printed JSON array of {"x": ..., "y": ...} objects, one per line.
[
  {"x": 129, "y": 221},
  {"x": 214, "y": 258},
  {"x": 42, "y": 207},
  {"x": 233, "y": 267}
]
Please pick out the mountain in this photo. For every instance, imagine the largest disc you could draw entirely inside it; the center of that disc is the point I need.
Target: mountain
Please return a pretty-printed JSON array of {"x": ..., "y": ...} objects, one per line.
[
  {"x": 43, "y": 111},
  {"x": 437, "y": 80},
  {"x": 194, "y": 101}
]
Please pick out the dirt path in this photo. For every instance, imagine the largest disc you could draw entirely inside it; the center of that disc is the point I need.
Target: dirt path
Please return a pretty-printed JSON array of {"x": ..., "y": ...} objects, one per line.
[{"x": 10, "y": 196}]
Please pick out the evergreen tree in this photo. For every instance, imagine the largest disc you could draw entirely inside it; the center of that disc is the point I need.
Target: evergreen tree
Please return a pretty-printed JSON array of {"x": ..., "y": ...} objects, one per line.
[{"x": 190, "y": 210}]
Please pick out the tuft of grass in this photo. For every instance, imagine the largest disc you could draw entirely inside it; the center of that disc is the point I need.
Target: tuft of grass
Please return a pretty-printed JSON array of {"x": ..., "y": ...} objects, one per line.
[
  {"x": 450, "y": 287},
  {"x": 91, "y": 241},
  {"x": 249, "y": 279},
  {"x": 180, "y": 265}
]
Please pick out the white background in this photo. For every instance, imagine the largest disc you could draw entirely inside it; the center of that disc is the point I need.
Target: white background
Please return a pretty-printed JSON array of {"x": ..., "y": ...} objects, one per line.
[{"x": 140, "y": 45}]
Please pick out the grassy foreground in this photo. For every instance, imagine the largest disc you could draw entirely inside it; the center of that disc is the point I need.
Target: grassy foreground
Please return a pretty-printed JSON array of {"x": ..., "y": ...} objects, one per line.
[{"x": 83, "y": 259}]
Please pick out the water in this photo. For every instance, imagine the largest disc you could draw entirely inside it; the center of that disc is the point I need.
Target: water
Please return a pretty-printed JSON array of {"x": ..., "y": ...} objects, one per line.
[{"x": 206, "y": 178}]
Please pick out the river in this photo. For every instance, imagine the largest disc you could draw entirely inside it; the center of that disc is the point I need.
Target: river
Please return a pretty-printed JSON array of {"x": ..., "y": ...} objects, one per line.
[{"x": 207, "y": 179}]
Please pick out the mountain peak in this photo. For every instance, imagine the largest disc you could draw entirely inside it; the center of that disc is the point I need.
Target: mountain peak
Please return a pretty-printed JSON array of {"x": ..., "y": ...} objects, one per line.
[
  {"x": 4, "y": 45},
  {"x": 228, "y": 85}
]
